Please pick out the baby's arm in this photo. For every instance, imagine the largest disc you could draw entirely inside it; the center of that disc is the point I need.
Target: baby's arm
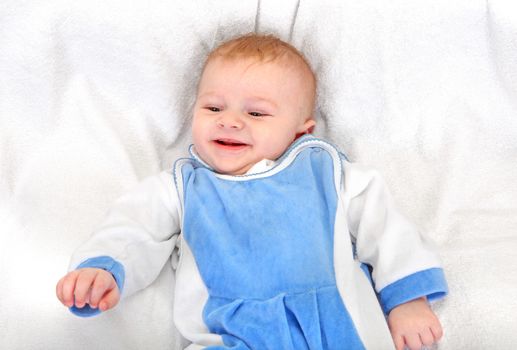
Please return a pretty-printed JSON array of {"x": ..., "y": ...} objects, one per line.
[
  {"x": 414, "y": 324},
  {"x": 406, "y": 270},
  {"x": 130, "y": 248},
  {"x": 92, "y": 286}
]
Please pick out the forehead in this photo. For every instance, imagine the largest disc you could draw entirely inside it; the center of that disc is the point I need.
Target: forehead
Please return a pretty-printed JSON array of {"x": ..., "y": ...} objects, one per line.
[
  {"x": 223, "y": 70},
  {"x": 243, "y": 67}
]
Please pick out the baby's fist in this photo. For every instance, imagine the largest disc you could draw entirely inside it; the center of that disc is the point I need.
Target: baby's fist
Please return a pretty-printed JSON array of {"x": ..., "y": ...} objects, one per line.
[
  {"x": 92, "y": 286},
  {"x": 414, "y": 324}
]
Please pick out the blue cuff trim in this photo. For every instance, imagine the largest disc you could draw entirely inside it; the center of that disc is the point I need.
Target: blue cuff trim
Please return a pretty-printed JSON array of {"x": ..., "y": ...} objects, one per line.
[
  {"x": 430, "y": 283},
  {"x": 106, "y": 263}
]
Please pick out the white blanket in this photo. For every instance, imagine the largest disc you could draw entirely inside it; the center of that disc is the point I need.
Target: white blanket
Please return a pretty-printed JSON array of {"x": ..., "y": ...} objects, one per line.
[{"x": 95, "y": 95}]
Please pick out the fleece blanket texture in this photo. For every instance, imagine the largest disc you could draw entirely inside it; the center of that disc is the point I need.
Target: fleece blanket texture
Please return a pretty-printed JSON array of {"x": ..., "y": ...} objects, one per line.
[{"x": 96, "y": 95}]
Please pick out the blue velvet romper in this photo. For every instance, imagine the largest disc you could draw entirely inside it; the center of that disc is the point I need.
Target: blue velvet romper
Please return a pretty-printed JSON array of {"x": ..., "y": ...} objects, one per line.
[{"x": 264, "y": 249}]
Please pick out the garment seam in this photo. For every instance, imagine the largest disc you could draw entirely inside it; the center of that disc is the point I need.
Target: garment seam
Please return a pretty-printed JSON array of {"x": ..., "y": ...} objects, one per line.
[
  {"x": 307, "y": 291},
  {"x": 295, "y": 146}
]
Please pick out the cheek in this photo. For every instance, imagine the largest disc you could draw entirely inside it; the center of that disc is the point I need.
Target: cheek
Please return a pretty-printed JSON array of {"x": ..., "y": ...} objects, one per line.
[
  {"x": 198, "y": 127},
  {"x": 277, "y": 142},
  {"x": 199, "y": 135}
]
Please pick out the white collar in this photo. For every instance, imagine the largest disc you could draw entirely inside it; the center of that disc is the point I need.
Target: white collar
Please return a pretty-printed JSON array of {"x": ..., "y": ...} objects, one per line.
[{"x": 260, "y": 167}]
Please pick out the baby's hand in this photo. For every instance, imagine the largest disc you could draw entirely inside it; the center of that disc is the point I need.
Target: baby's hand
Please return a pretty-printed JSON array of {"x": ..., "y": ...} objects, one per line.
[
  {"x": 414, "y": 325},
  {"x": 92, "y": 286}
]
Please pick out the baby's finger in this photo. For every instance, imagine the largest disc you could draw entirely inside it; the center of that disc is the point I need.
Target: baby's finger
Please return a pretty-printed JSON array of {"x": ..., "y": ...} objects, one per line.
[
  {"x": 87, "y": 297},
  {"x": 103, "y": 283},
  {"x": 437, "y": 331},
  {"x": 413, "y": 341},
  {"x": 110, "y": 299},
  {"x": 82, "y": 286},
  {"x": 427, "y": 338},
  {"x": 399, "y": 342},
  {"x": 59, "y": 290},
  {"x": 68, "y": 287}
]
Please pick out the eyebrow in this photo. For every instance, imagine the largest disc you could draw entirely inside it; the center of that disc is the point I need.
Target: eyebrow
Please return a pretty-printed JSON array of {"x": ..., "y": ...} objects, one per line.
[
  {"x": 251, "y": 99},
  {"x": 263, "y": 99},
  {"x": 208, "y": 94}
]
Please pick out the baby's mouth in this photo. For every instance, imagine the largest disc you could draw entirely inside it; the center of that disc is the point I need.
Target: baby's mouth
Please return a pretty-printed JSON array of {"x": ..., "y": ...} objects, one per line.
[{"x": 230, "y": 144}]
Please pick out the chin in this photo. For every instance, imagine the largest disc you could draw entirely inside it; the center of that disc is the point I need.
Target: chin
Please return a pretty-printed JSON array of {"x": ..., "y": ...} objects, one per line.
[{"x": 231, "y": 170}]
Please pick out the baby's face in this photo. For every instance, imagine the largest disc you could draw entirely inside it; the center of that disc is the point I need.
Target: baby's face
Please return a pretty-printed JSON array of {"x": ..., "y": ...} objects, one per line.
[{"x": 247, "y": 111}]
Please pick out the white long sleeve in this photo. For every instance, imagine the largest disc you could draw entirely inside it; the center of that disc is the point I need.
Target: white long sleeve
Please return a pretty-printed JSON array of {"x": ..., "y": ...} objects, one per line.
[
  {"x": 140, "y": 232},
  {"x": 388, "y": 242}
]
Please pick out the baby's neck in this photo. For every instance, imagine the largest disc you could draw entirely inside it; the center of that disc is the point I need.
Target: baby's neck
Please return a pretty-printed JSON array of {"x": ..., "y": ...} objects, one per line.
[{"x": 260, "y": 167}]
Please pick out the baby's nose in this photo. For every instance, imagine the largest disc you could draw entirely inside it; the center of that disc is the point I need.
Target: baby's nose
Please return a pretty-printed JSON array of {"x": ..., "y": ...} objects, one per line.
[{"x": 230, "y": 121}]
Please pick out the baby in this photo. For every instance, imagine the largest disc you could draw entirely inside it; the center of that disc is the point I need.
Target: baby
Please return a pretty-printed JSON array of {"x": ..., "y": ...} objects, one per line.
[{"x": 276, "y": 239}]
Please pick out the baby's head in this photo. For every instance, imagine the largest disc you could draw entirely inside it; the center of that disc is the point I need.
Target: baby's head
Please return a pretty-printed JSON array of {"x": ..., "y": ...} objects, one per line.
[{"x": 255, "y": 97}]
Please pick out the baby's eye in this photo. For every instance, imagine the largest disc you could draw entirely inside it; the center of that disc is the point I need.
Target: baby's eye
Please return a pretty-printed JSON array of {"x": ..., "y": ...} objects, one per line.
[
  {"x": 257, "y": 114},
  {"x": 213, "y": 109}
]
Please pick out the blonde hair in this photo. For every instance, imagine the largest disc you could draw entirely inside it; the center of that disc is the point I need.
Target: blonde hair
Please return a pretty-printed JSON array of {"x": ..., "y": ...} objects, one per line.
[{"x": 265, "y": 49}]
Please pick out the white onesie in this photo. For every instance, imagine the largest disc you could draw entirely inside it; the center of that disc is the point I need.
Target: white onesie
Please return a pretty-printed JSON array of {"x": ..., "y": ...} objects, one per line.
[{"x": 271, "y": 259}]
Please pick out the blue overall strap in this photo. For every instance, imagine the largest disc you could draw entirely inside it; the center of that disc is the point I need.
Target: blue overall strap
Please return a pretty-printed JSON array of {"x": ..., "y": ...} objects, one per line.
[{"x": 264, "y": 249}]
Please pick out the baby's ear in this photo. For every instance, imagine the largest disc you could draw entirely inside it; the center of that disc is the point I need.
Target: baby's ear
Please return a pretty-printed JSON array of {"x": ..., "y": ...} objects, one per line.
[{"x": 308, "y": 126}]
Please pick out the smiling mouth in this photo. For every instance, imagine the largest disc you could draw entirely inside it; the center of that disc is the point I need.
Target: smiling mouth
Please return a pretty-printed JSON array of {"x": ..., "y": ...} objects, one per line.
[{"x": 229, "y": 143}]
